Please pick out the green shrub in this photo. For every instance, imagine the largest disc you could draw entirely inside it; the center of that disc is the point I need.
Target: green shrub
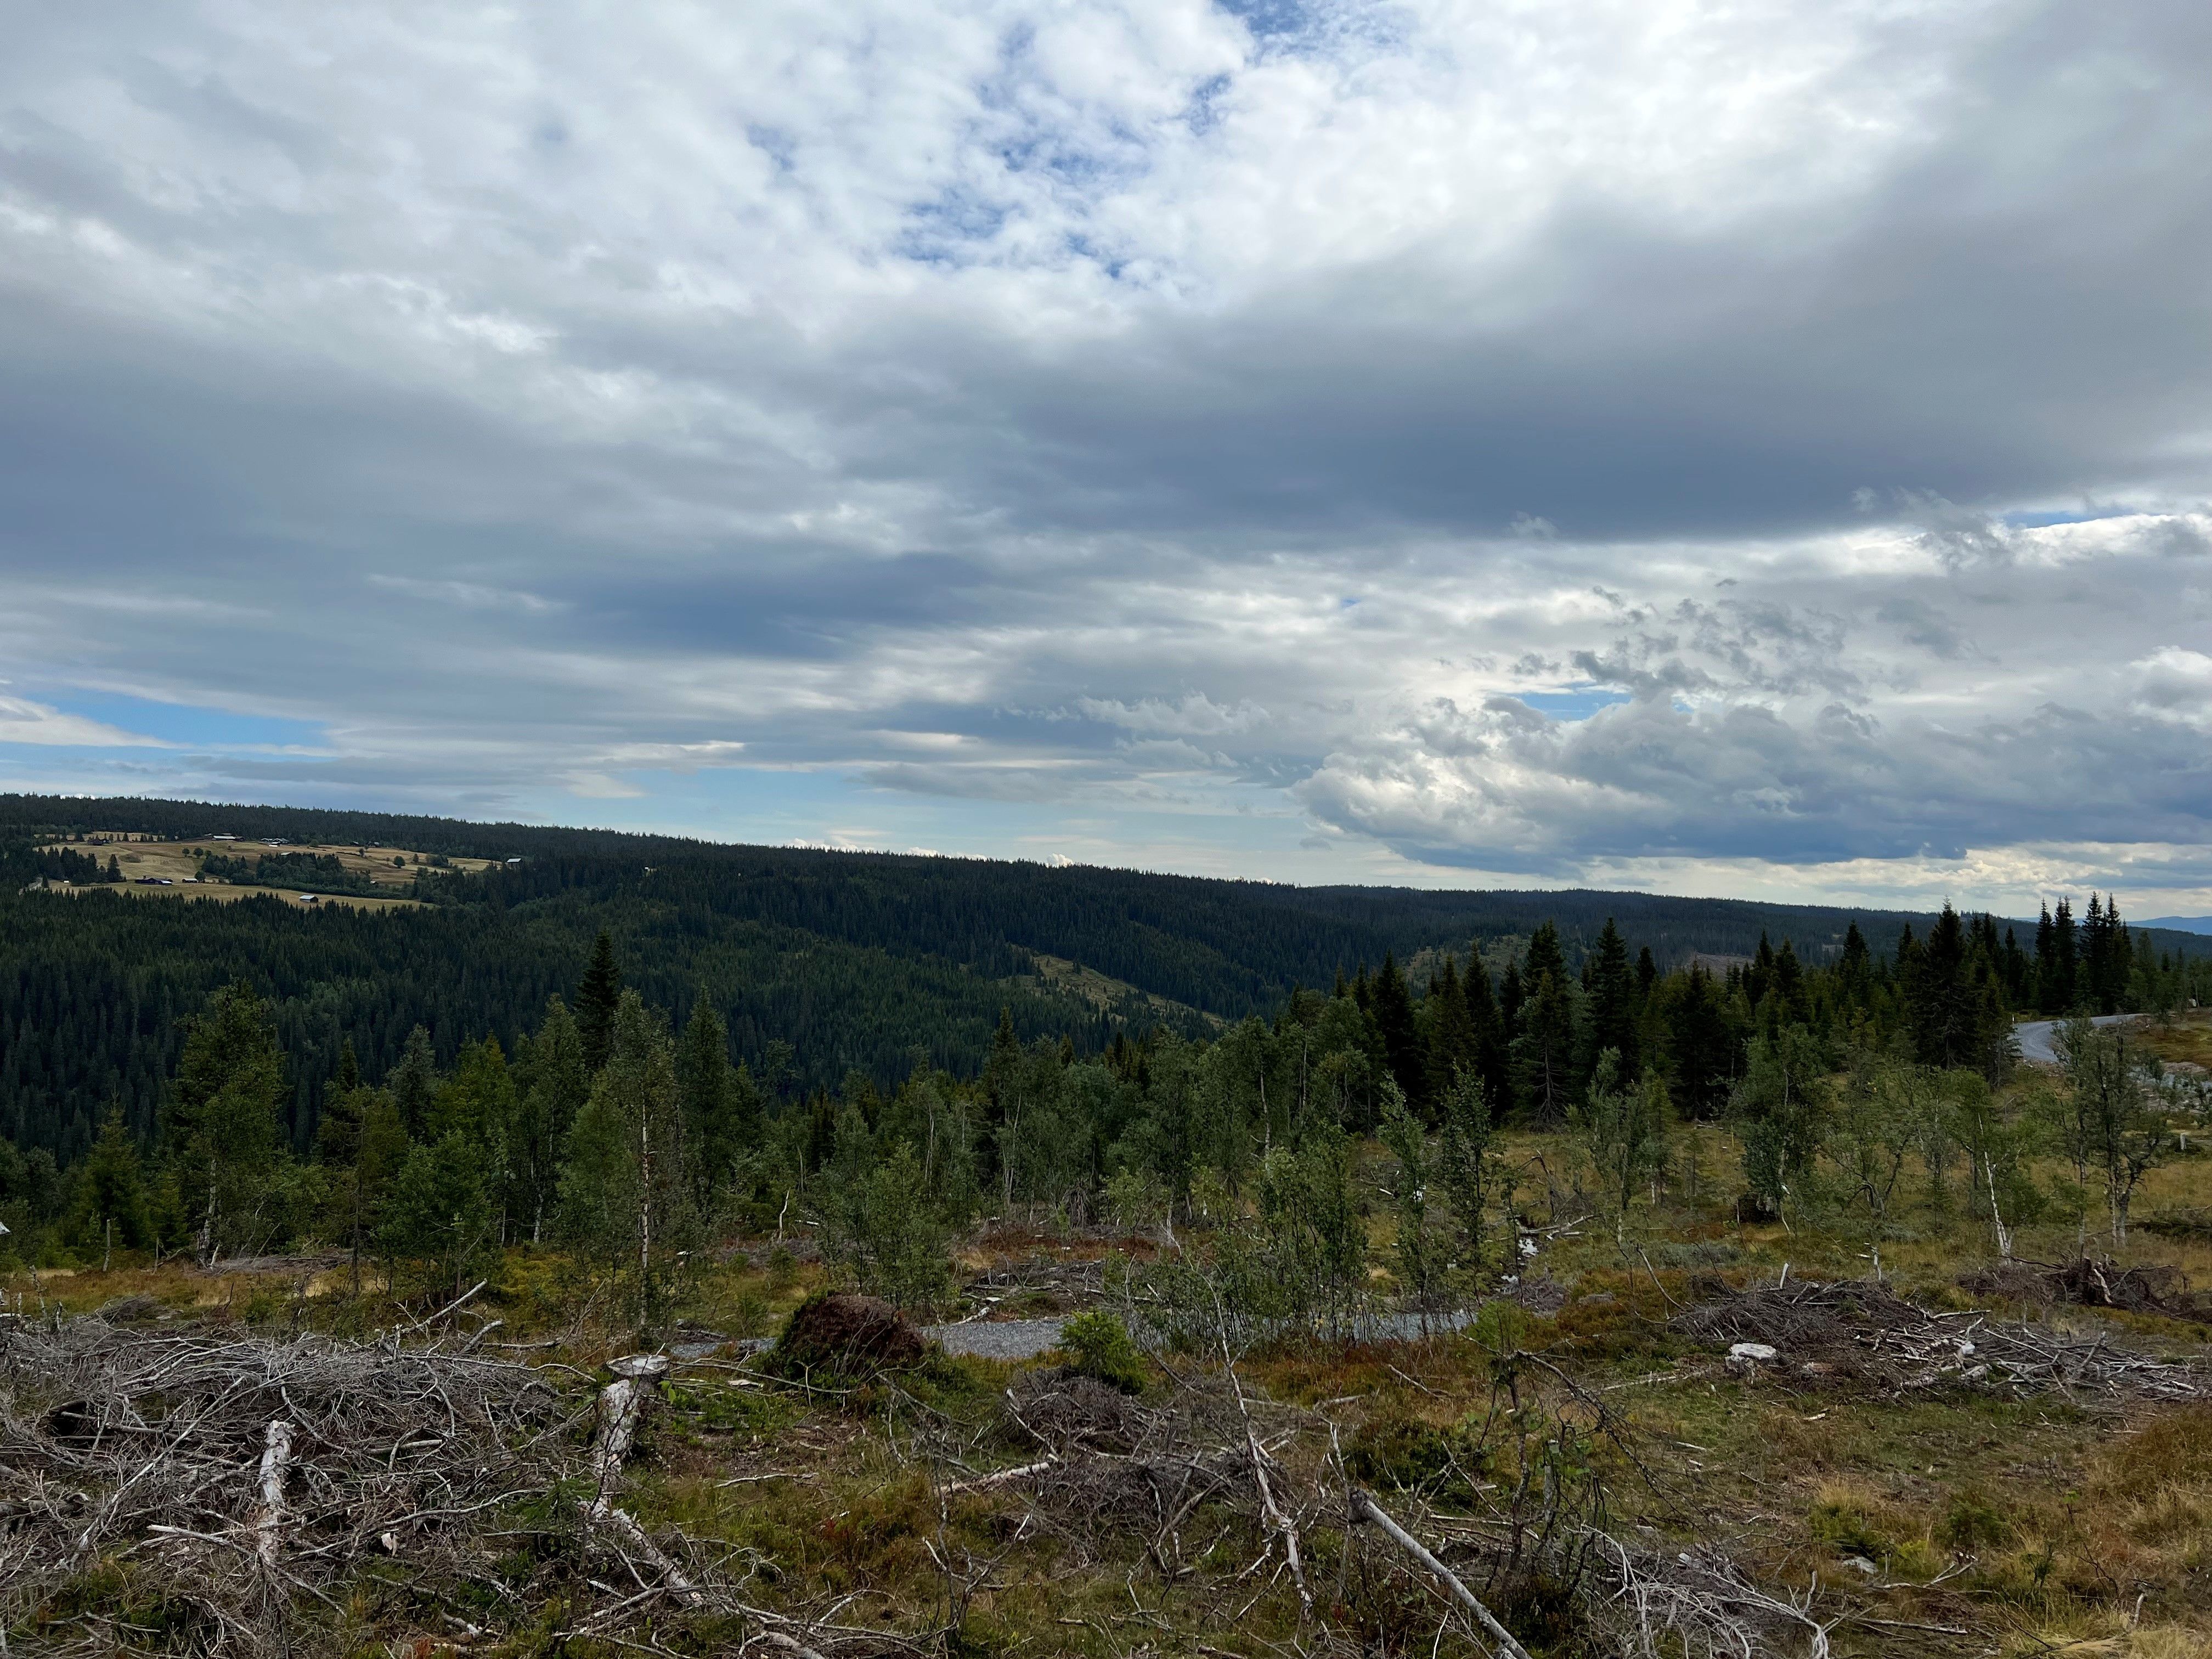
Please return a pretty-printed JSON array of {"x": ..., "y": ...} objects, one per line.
[
  {"x": 1971, "y": 1520},
  {"x": 1098, "y": 1345}
]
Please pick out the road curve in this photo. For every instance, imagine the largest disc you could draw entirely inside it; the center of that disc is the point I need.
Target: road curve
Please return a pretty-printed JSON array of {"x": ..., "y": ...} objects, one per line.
[{"x": 2036, "y": 1036}]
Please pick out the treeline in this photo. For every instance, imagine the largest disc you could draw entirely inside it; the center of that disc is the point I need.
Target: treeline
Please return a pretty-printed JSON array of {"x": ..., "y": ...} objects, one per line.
[
  {"x": 625, "y": 1132},
  {"x": 850, "y": 962}
]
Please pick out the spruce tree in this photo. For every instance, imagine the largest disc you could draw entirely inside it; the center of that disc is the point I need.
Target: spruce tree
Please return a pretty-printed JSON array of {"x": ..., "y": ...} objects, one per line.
[
  {"x": 1393, "y": 1016},
  {"x": 1494, "y": 1065},
  {"x": 110, "y": 1199},
  {"x": 597, "y": 996},
  {"x": 413, "y": 1084},
  {"x": 1611, "y": 1022},
  {"x": 709, "y": 1090},
  {"x": 558, "y": 1084},
  {"x": 1451, "y": 1033},
  {"x": 222, "y": 1125}
]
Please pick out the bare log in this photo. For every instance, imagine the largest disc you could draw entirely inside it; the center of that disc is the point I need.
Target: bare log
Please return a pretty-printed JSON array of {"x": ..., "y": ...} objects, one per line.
[
  {"x": 275, "y": 1458},
  {"x": 1001, "y": 1478},
  {"x": 1364, "y": 1508},
  {"x": 621, "y": 1403}
]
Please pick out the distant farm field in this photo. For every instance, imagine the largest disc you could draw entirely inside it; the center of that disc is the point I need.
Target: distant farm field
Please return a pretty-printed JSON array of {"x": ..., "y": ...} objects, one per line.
[{"x": 171, "y": 869}]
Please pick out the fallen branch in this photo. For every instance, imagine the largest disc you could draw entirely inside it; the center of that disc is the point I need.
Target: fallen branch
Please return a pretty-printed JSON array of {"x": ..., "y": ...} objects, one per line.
[
  {"x": 1364, "y": 1508},
  {"x": 982, "y": 1483},
  {"x": 621, "y": 1402},
  {"x": 276, "y": 1458},
  {"x": 454, "y": 1306}
]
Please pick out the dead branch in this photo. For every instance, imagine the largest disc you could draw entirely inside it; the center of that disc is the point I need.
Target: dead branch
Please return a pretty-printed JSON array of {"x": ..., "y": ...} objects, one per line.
[{"x": 1364, "y": 1508}]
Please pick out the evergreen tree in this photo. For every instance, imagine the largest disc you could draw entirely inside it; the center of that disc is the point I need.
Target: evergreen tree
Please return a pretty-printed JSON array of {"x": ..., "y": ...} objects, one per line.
[
  {"x": 413, "y": 1084},
  {"x": 2060, "y": 977},
  {"x": 1393, "y": 1007},
  {"x": 597, "y": 996},
  {"x": 1512, "y": 993},
  {"x": 109, "y": 1204},
  {"x": 1855, "y": 968},
  {"x": 1610, "y": 1021},
  {"x": 721, "y": 1118},
  {"x": 1543, "y": 1055},
  {"x": 1493, "y": 1060},
  {"x": 222, "y": 1126},
  {"x": 1452, "y": 1041},
  {"x": 557, "y": 1085}
]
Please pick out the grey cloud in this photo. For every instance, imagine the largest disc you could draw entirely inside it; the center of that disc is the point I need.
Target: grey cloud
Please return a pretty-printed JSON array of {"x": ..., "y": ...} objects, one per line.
[{"x": 957, "y": 381}]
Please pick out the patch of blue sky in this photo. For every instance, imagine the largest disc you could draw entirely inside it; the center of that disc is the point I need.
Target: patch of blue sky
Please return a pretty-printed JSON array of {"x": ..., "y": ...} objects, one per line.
[
  {"x": 2041, "y": 520},
  {"x": 1576, "y": 703},
  {"x": 190, "y": 724}
]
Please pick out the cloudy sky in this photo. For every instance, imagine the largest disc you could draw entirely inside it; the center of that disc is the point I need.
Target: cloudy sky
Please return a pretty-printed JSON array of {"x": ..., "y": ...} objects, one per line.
[{"x": 1757, "y": 447}]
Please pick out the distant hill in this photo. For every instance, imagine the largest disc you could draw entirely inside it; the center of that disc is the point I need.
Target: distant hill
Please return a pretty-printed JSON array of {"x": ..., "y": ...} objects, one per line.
[
  {"x": 856, "y": 961},
  {"x": 2181, "y": 924}
]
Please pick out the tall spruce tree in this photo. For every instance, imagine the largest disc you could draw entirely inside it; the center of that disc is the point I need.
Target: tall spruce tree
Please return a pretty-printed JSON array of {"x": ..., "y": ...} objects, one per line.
[
  {"x": 1394, "y": 1018},
  {"x": 413, "y": 1084},
  {"x": 597, "y": 996},
  {"x": 1611, "y": 1010}
]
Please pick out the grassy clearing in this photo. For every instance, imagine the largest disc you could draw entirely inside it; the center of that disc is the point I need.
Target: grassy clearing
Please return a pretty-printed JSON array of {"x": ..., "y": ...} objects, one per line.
[{"x": 1953, "y": 1519}]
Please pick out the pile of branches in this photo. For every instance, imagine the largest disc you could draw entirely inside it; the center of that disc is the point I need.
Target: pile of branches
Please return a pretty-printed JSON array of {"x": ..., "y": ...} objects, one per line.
[
  {"x": 1112, "y": 1466},
  {"x": 234, "y": 1481},
  {"x": 2085, "y": 1282},
  {"x": 1852, "y": 1330}
]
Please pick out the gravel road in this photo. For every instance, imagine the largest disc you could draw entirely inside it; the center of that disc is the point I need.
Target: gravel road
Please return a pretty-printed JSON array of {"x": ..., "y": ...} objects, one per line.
[
  {"x": 1006, "y": 1339},
  {"x": 2035, "y": 1045}
]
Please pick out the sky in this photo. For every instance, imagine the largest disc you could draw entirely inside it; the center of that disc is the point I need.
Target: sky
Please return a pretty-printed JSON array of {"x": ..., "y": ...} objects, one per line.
[{"x": 1756, "y": 449}]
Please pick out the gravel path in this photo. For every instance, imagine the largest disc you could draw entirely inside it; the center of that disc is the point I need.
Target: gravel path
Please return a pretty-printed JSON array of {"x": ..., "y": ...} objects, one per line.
[
  {"x": 1004, "y": 1339},
  {"x": 2035, "y": 1036}
]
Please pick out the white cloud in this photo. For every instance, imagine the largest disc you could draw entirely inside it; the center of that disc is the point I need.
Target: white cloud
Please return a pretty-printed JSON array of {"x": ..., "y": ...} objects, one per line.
[
  {"x": 24, "y": 721},
  {"x": 1142, "y": 412}
]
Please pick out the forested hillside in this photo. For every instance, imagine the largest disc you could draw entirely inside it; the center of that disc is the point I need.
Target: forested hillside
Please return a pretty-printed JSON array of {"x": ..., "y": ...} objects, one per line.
[{"x": 819, "y": 963}]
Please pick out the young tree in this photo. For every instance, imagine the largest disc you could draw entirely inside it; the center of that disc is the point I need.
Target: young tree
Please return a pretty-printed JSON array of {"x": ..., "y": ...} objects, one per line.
[
  {"x": 882, "y": 1231},
  {"x": 2120, "y": 1124},
  {"x": 222, "y": 1123},
  {"x": 1413, "y": 1250},
  {"x": 109, "y": 1204},
  {"x": 1781, "y": 1105},
  {"x": 721, "y": 1110},
  {"x": 1876, "y": 1127},
  {"x": 439, "y": 1216},
  {"x": 1997, "y": 1147},
  {"x": 1623, "y": 1130},
  {"x": 1467, "y": 1166},
  {"x": 557, "y": 1082},
  {"x": 625, "y": 1197}
]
